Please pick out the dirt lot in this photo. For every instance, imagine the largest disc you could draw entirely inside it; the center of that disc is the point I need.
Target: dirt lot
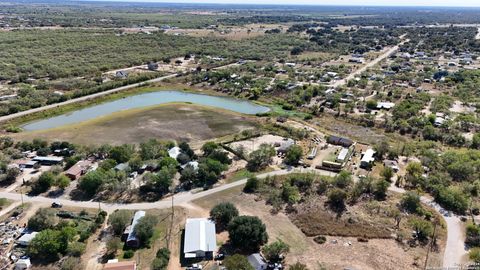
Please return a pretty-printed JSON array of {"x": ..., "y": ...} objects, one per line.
[
  {"x": 181, "y": 122},
  {"x": 337, "y": 252}
]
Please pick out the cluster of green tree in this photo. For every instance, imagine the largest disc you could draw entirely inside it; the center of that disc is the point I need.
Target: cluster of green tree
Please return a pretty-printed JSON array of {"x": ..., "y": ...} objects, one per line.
[
  {"x": 466, "y": 83},
  {"x": 448, "y": 39},
  {"x": 351, "y": 41},
  {"x": 154, "y": 154},
  {"x": 39, "y": 54},
  {"x": 108, "y": 15},
  {"x": 397, "y": 16},
  {"x": 452, "y": 177},
  {"x": 61, "y": 237},
  {"x": 339, "y": 190},
  {"x": 247, "y": 233}
]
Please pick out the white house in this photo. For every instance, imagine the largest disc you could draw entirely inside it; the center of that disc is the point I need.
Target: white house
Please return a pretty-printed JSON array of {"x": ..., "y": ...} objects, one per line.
[
  {"x": 367, "y": 158},
  {"x": 200, "y": 240},
  {"x": 174, "y": 152}
]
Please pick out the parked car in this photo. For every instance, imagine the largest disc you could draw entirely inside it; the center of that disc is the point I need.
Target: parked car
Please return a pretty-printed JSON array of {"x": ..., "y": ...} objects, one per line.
[{"x": 56, "y": 205}]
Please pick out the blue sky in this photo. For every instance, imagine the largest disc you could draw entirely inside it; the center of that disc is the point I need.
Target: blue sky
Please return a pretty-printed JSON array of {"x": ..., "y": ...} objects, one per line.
[{"x": 463, "y": 3}]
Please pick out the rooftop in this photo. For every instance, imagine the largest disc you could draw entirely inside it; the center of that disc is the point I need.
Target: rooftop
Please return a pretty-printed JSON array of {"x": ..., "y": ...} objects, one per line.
[{"x": 199, "y": 236}]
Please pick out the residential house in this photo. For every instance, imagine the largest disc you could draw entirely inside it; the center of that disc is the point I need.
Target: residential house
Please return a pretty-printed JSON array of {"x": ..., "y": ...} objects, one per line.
[
  {"x": 200, "y": 239},
  {"x": 367, "y": 159},
  {"x": 79, "y": 169}
]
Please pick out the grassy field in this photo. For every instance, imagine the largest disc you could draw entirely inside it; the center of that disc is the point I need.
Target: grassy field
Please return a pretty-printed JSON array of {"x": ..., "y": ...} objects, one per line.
[{"x": 181, "y": 122}]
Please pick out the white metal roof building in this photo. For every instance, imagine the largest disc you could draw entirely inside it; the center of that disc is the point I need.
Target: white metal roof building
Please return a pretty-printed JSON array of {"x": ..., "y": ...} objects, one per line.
[
  {"x": 342, "y": 156},
  {"x": 174, "y": 152},
  {"x": 132, "y": 239},
  {"x": 200, "y": 238},
  {"x": 367, "y": 158},
  {"x": 26, "y": 238}
]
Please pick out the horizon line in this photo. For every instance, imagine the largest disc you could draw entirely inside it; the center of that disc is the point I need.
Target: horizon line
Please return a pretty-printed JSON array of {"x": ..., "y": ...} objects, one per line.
[{"x": 277, "y": 4}]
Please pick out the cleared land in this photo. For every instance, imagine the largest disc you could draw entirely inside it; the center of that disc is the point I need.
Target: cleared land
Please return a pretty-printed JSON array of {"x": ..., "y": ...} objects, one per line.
[
  {"x": 338, "y": 252},
  {"x": 181, "y": 122}
]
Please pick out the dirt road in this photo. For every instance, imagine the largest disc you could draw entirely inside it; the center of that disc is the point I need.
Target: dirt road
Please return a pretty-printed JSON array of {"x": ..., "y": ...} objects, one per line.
[
  {"x": 455, "y": 253},
  {"x": 370, "y": 64}
]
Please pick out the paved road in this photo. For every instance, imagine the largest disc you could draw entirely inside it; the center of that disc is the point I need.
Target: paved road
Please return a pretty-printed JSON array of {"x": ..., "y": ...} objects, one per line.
[
  {"x": 164, "y": 203},
  {"x": 368, "y": 65},
  {"x": 74, "y": 100},
  {"x": 455, "y": 251}
]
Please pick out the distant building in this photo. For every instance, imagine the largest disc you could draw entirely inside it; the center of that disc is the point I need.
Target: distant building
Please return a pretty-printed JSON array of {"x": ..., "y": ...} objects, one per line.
[
  {"x": 257, "y": 261},
  {"x": 132, "y": 239},
  {"x": 392, "y": 164},
  {"x": 367, "y": 159},
  {"x": 152, "y": 66},
  {"x": 174, "y": 152},
  {"x": 48, "y": 161},
  {"x": 79, "y": 169},
  {"x": 385, "y": 105},
  {"x": 339, "y": 141},
  {"x": 200, "y": 239},
  {"x": 121, "y": 167},
  {"x": 342, "y": 156},
  {"x": 285, "y": 145},
  {"x": 122, "y": 74}
]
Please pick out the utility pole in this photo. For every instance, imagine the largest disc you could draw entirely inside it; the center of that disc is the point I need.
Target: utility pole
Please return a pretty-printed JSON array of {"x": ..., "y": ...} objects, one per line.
[
  {"x": 21, "y": 196},
  {"x": 431, "y": 244}
]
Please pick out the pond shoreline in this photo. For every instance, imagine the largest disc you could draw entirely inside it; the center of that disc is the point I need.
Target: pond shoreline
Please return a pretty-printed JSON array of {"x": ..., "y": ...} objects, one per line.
[{"x": 140, "y": 100}]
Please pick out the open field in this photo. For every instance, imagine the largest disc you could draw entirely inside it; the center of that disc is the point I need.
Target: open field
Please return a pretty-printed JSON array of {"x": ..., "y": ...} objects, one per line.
[
  {"x": 337, "y": 253},
  {"x": 179, "y": 122}
]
